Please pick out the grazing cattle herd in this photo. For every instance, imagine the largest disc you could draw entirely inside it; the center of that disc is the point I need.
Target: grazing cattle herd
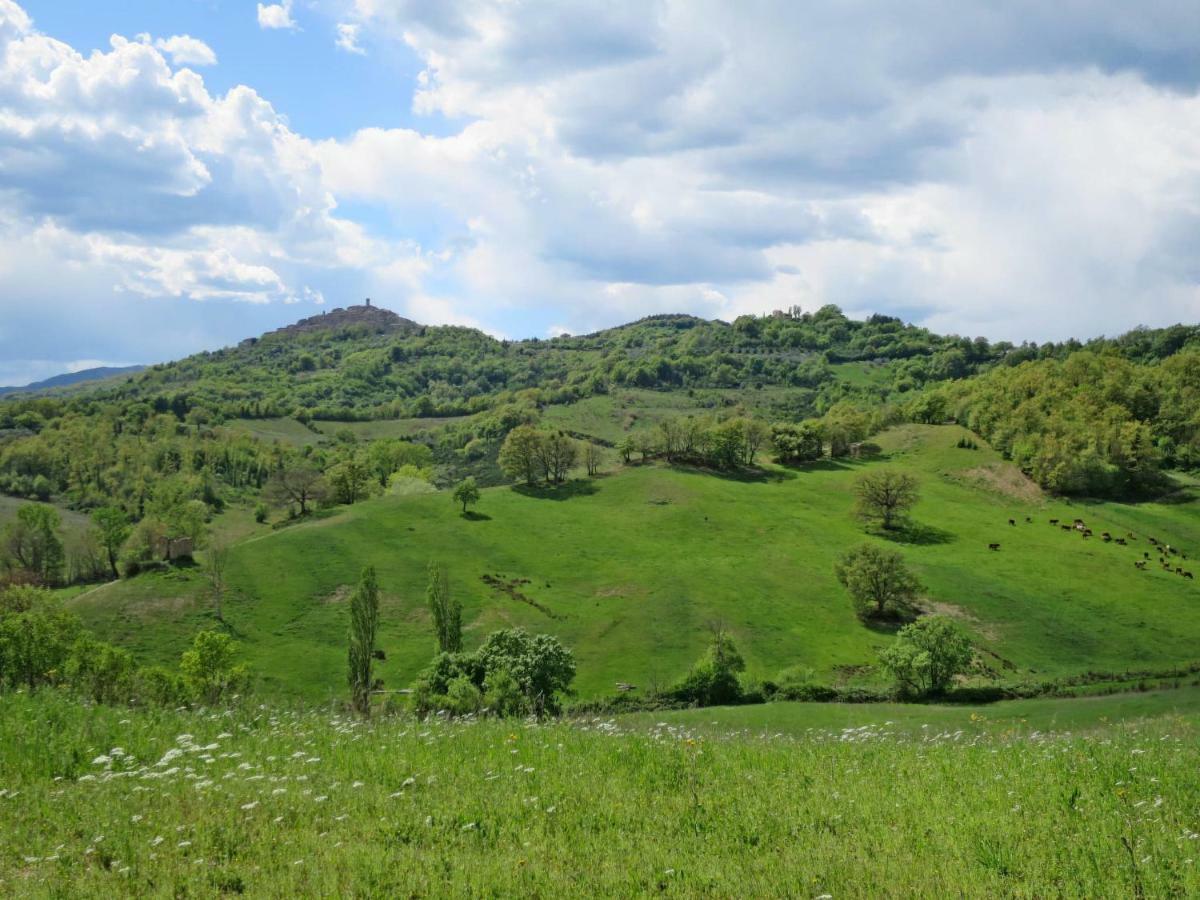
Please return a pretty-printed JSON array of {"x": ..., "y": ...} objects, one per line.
[{"x": 1166, "y": 553}]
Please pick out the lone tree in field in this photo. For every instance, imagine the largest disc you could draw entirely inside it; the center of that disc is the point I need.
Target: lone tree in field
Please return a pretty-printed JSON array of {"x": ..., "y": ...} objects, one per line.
[
  {"x": 466, "y": 492},
  {"x": 364, "y": 621},
  {"x": 885, "y": 496},
  {"x": 880, "y": 584},
  {"x": 927, "y": 655},
  {"x": 111, "y": 527},
  {"x": 301, "y": 485},
  {"x": 447, "y": 612},
  {"x": 216, "y": 556}
]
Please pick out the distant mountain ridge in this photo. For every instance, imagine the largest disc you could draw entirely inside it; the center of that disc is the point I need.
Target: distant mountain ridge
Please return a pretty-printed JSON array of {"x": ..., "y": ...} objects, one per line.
[{"x": 68, "y": 379}]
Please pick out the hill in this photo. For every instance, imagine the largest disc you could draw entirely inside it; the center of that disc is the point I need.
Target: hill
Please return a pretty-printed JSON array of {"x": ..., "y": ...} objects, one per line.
[
  {"x": 631, "y": 569},
  {"x": 366, "y": 318},
  {"x": 71, "y": 379}
]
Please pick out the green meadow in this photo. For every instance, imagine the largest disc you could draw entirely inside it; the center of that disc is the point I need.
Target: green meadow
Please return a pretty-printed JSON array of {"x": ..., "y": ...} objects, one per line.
[
  {"x": 633, "y": 568},
  {"x": 269, "y": 803}
]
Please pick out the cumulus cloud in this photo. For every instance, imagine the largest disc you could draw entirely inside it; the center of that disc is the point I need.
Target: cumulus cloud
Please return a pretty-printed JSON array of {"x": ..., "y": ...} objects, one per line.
[
  {"x": 1021, "y": 171},
  {"x": 347, "y": 38},
  {"x": 1024, "y": 170},
  {"x": 276, "y": 15},
  {"x": 186, "y": 50},
  {"x": 124, "y": 181}
]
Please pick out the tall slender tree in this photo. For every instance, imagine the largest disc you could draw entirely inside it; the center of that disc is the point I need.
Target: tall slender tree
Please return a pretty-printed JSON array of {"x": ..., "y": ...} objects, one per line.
[
  {"x": 446, "y": 611},
  {"x": 364, "y": 622}
]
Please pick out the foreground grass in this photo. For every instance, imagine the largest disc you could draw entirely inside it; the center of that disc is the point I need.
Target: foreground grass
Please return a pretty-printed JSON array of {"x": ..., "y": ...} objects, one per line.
[{"x": 101, "y": 803}]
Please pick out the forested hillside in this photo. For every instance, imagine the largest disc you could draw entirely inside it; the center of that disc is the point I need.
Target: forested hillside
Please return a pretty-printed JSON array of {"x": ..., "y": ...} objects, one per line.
[{"x": 360, "y": 401}]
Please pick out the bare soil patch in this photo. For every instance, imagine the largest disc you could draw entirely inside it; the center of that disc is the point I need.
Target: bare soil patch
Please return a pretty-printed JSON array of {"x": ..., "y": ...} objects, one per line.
[{"x": 1007, "y": 479}]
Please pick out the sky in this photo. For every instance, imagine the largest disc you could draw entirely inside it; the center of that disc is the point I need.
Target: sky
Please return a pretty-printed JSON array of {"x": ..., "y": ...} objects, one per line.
[{"x": 178, "y": 176}]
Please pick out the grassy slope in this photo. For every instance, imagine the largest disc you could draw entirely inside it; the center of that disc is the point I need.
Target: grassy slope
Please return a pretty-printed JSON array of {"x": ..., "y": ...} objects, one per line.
[
  {"x": 270, "y": 804},
  {"x": 635, "y": 566}
]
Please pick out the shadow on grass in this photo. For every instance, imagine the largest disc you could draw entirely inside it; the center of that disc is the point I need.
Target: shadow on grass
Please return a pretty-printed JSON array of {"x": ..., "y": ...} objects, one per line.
[
  {"x": 472, "y": 516},
  {"x": 746, "y": 476},
  {"x": 579, "y": 487},
  {"x": 1166, "y": 490},
  {"x": 886, "y": 626},
  {"x": 223, "y": 624},
  {"x": 826, "y": 464},
  {"x": 917, "y": 534}
]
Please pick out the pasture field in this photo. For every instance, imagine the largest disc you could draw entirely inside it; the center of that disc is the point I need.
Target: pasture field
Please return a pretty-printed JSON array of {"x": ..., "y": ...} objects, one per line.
[
  {"x": 632, "y": 568},
  {"x": 268, "y": 803}
]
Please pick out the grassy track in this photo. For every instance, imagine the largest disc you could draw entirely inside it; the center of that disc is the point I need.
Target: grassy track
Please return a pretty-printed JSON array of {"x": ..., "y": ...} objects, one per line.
[{"x": 109, "y": 802}]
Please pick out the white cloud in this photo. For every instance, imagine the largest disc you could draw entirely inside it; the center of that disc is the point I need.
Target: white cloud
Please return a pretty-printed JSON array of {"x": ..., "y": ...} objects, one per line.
[
  {"x": 276, "y": 15},
  {"x": 123, "y": 182},
  {"x": 186, "y": 50},
  {"x": 1028, "y": 172},
  {"x": 1025, "y": 171},
  {"x": 347, "y": 38}
]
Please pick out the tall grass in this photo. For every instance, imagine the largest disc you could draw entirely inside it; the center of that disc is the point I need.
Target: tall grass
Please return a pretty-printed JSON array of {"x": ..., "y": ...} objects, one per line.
[{"x": 104, "y": 802}]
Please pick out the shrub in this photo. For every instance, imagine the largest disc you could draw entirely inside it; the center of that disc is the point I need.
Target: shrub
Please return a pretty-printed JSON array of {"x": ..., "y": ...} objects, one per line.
[
  {"x": 101, "y": 672},
  {"x": 503, "y": 695},
  {"x": 926, "y": 656},
  {"x": 713, "y": 680},
  {"x": 541, "y": 666},
  {"x": 463, "y": 698},
  {"x": 36, "y": 638},
  {"x": 515, "y": 672},
  {"x": 209, "y": 670},
  {"x": 160, "y": 687}
]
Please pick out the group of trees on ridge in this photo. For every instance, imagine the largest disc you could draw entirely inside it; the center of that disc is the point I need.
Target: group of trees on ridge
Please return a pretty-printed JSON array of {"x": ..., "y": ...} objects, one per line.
[{"x": 1103, "y": 418}]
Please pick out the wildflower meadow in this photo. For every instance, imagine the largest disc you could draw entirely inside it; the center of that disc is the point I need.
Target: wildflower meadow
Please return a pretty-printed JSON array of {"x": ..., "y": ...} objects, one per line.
[{"x": 103, "y": 802}]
